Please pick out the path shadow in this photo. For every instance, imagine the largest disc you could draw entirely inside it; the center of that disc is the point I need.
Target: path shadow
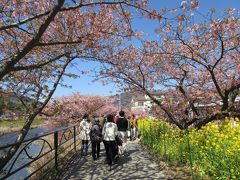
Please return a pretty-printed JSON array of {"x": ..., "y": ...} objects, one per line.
[{"x": 135, "y": 164}]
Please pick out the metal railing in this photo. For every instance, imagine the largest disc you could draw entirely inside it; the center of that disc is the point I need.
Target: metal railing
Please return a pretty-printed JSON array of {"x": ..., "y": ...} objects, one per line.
[{"x": 49, "y": 145}]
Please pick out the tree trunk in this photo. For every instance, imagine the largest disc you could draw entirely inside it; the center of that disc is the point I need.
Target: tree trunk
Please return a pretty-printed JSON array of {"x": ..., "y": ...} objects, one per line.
[{"x": 11, "y": 152}]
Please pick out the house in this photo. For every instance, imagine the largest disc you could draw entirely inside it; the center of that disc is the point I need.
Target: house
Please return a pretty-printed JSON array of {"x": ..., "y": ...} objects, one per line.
[
  {"x": 208, "y": 108},
  {"x": 134, "y": 102},
  {"x": 141, "y": 104}
]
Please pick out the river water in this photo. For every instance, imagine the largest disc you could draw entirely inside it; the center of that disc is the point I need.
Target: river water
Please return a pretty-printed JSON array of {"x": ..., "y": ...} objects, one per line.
[
  {"x": 11, "y": 137},
  {"x": 34, "y": 149}
]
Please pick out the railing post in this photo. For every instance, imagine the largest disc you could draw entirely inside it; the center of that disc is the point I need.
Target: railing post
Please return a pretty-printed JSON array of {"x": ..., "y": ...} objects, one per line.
[
  {"x": 74, "y": 137},
  {"x": 56, "y": 149}
]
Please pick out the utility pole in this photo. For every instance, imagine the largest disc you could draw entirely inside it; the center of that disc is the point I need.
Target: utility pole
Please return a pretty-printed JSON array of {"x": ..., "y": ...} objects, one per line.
[{"x": 119, "y": 102}]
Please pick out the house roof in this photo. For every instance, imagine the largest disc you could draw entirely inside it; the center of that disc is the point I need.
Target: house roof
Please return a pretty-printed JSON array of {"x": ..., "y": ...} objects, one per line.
[{"x": 139, "y": 98}]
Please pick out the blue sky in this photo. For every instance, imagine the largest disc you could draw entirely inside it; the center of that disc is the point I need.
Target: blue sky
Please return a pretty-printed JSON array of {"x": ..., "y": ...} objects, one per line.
[{"x": 84, "y": 84}]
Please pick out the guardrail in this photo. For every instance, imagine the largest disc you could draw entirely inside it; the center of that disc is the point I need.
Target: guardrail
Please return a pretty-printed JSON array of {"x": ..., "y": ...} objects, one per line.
[{"x": 49, "y": 145}]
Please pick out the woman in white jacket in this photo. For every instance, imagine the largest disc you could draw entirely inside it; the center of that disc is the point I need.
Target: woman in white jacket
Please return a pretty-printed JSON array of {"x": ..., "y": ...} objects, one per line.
[
  {"x": 109, "y": 133},
  {"x": 85, "y": 128}
]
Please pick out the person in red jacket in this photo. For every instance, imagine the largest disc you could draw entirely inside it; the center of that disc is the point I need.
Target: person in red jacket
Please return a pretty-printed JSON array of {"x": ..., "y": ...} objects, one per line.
[{"x": 115, "y": 118}]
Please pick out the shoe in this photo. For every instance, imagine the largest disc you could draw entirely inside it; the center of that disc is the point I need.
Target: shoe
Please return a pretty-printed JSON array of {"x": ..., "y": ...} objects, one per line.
[
  {"x": 109, "y": 168},
  {"x": 82, "y": 152},
  {"x": 105, "y": 162},
  {"x": 125, "y": 154},
  {"x": 94, "y": 158},
  {"x": 116, "y": 159}
]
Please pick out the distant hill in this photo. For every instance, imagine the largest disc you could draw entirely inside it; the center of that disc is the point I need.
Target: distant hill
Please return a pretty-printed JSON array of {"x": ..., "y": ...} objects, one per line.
[{"x": 11, "y": 106}]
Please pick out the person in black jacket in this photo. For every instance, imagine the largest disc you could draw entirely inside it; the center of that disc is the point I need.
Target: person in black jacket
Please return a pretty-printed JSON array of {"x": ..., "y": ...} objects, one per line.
[
  {"x": 122, "y": 124},
  {"x": 96, "y": 138}
]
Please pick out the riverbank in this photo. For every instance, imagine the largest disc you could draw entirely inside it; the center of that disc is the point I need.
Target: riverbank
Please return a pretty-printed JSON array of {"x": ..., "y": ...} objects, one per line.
[{"x": 8, "y": 126}]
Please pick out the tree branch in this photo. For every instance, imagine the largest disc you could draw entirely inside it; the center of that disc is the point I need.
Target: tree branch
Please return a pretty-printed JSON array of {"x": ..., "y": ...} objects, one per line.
[
  {"x": 31, "y": 44},
  {"x": 11, "y": 152},
  {"x": 37, "y": 66}
]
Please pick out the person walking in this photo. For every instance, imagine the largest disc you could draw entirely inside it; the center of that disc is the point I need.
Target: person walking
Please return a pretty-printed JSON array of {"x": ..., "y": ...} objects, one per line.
[
  {"x": 115, "y": 118},
  {"x": 109, "y": 133},
  {"x": 134, "y": 127},
  {"x": 96, "y": 138},
  {"x": 85, "y": 128},
  {"x": 122, "y": 125}
]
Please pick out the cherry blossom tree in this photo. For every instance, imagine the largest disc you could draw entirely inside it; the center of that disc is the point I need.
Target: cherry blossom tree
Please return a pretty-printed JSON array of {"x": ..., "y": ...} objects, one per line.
[
  {"x": 205, "y": 57},
  {"x": 40, "y": 91},
  {"x": 33, "y": 34},
  {"x": 70, "y": 109},
  {"x": 39, "y": 41},
  {"x": 192, "y": 65}
]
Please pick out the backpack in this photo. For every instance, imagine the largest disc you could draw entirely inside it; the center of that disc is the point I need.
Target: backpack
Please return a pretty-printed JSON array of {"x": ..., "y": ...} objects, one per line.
[{"x": 96, "y": 133}]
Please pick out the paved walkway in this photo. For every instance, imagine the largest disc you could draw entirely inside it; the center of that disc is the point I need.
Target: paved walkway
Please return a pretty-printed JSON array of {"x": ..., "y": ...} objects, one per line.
[{"x": 137, "y": 164}]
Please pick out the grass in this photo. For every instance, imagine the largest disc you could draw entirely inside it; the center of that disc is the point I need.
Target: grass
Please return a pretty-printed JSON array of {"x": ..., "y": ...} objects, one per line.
[
  {"x": 65, "y": 155},
  {"x": 7, "y": 126},
  {"x": 19, "y": 123}
]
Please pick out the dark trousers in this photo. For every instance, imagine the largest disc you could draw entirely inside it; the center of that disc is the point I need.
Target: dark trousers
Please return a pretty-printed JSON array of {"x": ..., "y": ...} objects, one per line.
[
  {"x": 84, "y": 147},
  {"x": 95, "y": 149},
  {"x": 110, "y": 147}
]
